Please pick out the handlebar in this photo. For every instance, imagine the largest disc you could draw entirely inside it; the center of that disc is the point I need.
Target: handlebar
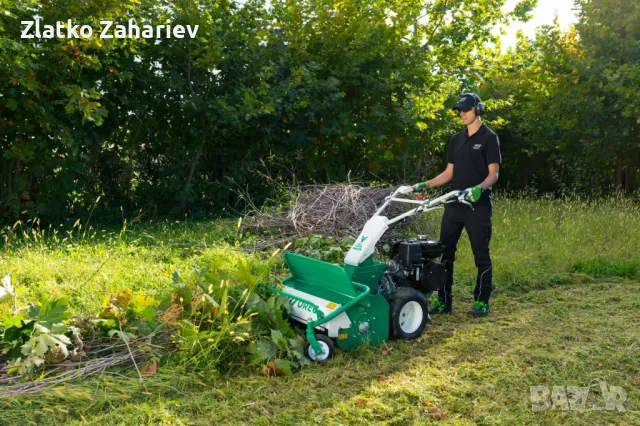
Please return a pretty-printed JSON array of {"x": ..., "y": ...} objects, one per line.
[
  {"x": 460, "y": 195},
  {"x": 422, "y": 205},
  {"x": 462, "y": 199}
]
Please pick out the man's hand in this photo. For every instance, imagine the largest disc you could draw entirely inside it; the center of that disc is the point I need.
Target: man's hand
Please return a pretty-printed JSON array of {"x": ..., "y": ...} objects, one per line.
[
  {"x": 421, "y": 185},
  {"x": 405, "y": 189},
  {"x": 473, "y": 194}
]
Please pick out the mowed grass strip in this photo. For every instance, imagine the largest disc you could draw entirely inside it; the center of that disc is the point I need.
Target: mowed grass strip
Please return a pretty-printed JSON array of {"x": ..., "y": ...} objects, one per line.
[{"x": 462, "y": 370}]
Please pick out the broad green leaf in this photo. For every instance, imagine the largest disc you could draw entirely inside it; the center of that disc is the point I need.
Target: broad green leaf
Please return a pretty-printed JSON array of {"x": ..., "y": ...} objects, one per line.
[
  {"x": 255, "y": 303},
  {"x": 12, "y": 321},
  {"x": 59, "y": 341},
  {"x": 50, "y": 311},
  {"x": 61, "y": 338},
  {"x": 284, "y": 365},
  {"x": 276, "y": 335},
  {"x": 28, "y": 347},
  {"x": 6, "y": 289},
  {"x": 148, "y": 313},
  {"x": 60, "y": 329},
  {"x": 42, "y": 345},
  {"x": 261, "y": 351}
]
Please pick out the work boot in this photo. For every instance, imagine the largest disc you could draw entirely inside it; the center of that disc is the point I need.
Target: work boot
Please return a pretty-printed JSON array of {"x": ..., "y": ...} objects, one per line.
[
  {"x": 480, "y": 309},
  {"x": 439, "y": 307}
]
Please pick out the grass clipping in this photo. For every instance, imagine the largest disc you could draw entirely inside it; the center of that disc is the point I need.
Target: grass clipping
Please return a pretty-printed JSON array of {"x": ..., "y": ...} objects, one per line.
[{"x": 331, "y": 210}]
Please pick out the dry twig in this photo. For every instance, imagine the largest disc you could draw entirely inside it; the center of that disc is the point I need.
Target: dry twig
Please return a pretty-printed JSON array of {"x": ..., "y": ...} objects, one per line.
[
  {"x": 330, "y": 210},
  {"x": 102, "y": 353}
]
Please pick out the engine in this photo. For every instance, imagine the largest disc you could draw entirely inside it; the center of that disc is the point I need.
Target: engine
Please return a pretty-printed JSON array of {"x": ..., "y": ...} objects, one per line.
[{"x": 415, "y": 262}]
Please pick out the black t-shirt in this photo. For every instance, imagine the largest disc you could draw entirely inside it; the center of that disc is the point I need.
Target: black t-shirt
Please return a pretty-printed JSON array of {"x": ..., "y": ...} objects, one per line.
[{"x": 471, "y": 157}]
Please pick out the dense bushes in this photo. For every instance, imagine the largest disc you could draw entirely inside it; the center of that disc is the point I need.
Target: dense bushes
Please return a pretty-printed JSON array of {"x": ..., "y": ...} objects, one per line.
[{"x": 313, "y": 89}]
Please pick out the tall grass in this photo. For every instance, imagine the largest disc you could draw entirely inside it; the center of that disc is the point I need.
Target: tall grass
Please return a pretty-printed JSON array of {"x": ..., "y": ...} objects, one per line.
[
  {"x": 540, "y": 241},
  {"x": 535, "y": 242},
  {"x": 87, "y": 266}
]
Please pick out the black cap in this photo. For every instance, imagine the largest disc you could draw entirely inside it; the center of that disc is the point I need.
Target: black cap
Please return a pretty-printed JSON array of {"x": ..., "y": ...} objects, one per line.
[{"x": 468, "y": 100}]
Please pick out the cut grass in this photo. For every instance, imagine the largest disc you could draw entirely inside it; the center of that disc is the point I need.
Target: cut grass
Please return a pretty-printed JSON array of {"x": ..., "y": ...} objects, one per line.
[{"x": 473, "y": 371}]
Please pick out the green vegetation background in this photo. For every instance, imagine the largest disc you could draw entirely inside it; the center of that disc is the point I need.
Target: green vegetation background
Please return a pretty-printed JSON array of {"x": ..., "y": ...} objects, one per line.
[{"x": 313, "y": 90}]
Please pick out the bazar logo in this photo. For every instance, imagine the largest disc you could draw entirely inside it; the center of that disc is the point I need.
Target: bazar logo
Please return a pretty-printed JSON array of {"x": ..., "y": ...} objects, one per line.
[
  {"x": 69, "y": 29},
  {"x": 575, "y": 398}
]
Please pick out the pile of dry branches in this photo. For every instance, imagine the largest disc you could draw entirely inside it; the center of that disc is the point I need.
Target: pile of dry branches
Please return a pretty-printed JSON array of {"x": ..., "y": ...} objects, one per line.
[
  {"x": 330, "y": 210},
  {"x": 102, "y": 353}
]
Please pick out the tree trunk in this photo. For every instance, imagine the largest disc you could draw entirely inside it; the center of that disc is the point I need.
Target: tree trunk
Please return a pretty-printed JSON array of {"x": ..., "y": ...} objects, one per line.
[
  {"x": 10, "y": 181},
  {"x": 192, "y": 170},
  {"x": 319, "y": 137},
  {"x": 619, "y": 172},
  {"x": 132, "y": 150}
]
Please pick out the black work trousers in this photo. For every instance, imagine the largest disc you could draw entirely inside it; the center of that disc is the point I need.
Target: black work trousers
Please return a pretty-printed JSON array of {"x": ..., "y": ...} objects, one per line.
[{"x": 477, "y": 222}]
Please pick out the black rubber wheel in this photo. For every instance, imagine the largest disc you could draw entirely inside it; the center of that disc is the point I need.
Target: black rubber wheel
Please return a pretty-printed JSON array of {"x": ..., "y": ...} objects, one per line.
[
  {"x": 328, "y": 348},
  {"x": 408, "y": 313}
]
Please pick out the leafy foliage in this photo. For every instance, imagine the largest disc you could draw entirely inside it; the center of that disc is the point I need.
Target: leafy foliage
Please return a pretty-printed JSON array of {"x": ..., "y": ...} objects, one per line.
[
  {"x": 218, "y": 317},
  {"x": 46, "y": 344},
  {"x": 125, "y": 311},
  {"x": 39, "y": 337},
  {"x": 569, "y": 118},
  {"x": 50, "y": 311},
  {"x": 282, "y": 348},
  {"x": 320, "y": 88},
  {"x": 328, "y": 249},
  {"x": 221, "y": 318}
]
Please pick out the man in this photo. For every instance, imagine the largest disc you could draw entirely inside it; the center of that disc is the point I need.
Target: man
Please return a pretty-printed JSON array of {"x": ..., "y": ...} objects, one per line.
[{"x": 473, "y": 158}]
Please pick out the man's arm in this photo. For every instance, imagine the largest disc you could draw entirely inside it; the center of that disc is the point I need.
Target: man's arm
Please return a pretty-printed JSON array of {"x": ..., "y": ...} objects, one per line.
[
  {"x": 441, "y": 179},
  {"x": 492, "y": 178}
]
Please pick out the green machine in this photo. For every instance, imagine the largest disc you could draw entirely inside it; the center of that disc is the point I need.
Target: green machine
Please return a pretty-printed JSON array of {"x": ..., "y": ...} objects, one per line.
[{"x": 368, "y": 301}]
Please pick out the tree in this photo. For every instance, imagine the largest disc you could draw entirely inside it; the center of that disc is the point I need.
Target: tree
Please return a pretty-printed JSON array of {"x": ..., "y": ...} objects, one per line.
[{"x": 609, "y": 75}]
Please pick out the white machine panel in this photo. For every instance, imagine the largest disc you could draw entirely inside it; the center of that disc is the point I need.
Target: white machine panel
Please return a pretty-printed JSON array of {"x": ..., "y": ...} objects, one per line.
[
  {"x": 366, "y": 242},
  {"x": 304, "y": 313}
]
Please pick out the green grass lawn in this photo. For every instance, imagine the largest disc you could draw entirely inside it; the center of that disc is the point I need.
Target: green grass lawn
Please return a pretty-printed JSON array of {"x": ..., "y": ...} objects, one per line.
[{"x": 565, "y": 313}]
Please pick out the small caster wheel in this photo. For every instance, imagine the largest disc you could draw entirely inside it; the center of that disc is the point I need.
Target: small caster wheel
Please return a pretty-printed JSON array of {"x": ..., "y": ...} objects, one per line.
[{"x": 327, "y": 348}]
